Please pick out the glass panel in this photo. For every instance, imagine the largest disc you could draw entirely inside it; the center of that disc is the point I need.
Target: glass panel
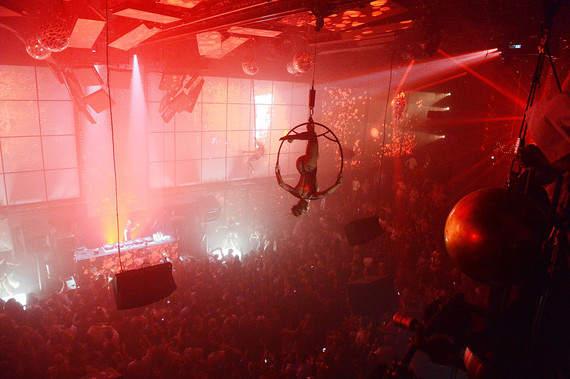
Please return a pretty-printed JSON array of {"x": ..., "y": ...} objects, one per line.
[
  {"x": 300, "y": 95},
  {"x": 282, "y": 92},
  {"x": 213, "y": 170},
  {"x": 215, "y": 90},
  {"x": 59, "y": 152},
  {"x": 153, "y": 82},
  {"x": 2, "y": 191},
  {"x": 299, "y": 115},
  {"x": 240, "y": 116},
  {"x": 19, "y": 118},
  {"x": 161, "y": 174},
  {"x": 25, "y": 187},
  {"x": 239, "y": 91},
  {"x": 263, "y": 92},
  {"x": 189, "y": 122},
  {"x": 188, "y": 172},
  {"x": 62, "y": 184},
  {"x": 161, "y": 147},
  {"x": 18, "y": 82},
  {"x": 49, "y": 87},
  {"x": 56, "y": 117},
  {"x": 22, "y": 154},
  {"x": 188, "y": 146},
  {"x": 238, "y": 168},
  {"x": 213, "y": 145},
  {"x": 155, "y": 121},
  {"x": 214, "y": 117},
  {"x": 239, "y": 144},
  {"x": 281, "y": 117}
]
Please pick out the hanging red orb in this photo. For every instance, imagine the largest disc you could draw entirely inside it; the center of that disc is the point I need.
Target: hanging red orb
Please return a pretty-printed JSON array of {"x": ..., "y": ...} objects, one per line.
[
  {"x": 53, "y": 35},
  {"x": 374, "y": 132},
  {"x": 250, "y": 66},
  {"x": 494, "y": 236},
  {"x": 302, "y": 62}
]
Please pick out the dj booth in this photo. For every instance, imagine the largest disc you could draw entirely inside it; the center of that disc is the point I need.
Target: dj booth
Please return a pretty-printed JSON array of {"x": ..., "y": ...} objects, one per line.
[{"x": 134, "y": 254}]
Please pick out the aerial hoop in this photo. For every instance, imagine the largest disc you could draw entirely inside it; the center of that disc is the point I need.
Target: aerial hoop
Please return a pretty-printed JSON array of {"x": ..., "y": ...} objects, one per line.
[{"x": 332, "y": 137}]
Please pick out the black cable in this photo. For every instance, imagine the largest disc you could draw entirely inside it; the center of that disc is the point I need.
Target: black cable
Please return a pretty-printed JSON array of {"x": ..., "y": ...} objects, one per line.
[
  {"x": 542, "y": 53},
  {"x": 112, "y": 132},
  {"x": 384, "y": 130}
]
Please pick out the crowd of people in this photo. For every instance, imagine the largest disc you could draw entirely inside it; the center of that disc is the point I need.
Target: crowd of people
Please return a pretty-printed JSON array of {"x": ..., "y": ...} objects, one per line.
[{"x": 283, "y": 309}]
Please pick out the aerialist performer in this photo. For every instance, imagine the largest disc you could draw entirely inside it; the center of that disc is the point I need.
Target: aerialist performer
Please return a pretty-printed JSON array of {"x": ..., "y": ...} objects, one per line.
[
  {"x": 255, "y": 154},
  {"x": 307, "y": 188}
]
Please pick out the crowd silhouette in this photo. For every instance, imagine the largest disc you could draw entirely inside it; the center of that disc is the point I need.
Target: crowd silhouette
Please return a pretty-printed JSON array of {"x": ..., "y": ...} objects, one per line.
[{"x": 281, "y": 311}]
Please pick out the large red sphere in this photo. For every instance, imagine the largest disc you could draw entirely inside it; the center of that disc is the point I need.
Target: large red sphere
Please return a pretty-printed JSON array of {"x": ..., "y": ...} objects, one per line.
[
  {"x": 54, "y": 35},
  {"x": 494, "y": 235},
  {"x": 302, "y": 62}
]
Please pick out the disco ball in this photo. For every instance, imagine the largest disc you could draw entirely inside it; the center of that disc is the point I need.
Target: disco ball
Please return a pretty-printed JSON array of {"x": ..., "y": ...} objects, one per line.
[
  {"x": 54, "y": 36},
  {"x": 302, "y": 62},
  {"x": 250, "y": 66},
  {"x": 494, "y": 236},
  {"x": 36, "y": 50},
  {"x": 291, "y": 68}
]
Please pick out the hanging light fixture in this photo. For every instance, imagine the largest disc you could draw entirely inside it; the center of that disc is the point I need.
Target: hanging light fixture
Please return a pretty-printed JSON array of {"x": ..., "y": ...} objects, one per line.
[
  {"x": 250, "y": 66},
  {"x": 54, "y": 35},
  {"x": 36, "y": 50},
  {"x": 302, "y": 62}
]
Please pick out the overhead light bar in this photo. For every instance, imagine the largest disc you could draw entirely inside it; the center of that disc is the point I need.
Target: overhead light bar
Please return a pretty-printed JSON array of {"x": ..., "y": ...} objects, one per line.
[
  {"x": 85, "y": 33},
  {"x": 254, "y": 32},
  {"x": 210, "y": 44},
  {"x": 147, "y": 16},
  {"x": 181, "y": 3},
  {"x": 134, "y": 37}
]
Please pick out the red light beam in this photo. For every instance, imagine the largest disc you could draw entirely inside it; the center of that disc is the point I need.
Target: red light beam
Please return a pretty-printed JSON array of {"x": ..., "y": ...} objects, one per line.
[
  {"x": 484, "y": 80},
  {"x": 405, "y": 76},
  {"x": 438, "y": 82}
]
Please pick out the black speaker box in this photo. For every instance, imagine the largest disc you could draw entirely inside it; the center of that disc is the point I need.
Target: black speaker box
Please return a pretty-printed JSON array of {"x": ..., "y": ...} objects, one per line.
[
  {"x": 363, "y": 230},
  {"x": 372, "y": 296},
  {"x": 143, "y": 286},
  {"x": 209, "y": 208}
]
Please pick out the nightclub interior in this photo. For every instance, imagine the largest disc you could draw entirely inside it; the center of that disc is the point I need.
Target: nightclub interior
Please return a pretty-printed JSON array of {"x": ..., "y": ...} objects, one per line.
[{"x": 162, "y": 215}]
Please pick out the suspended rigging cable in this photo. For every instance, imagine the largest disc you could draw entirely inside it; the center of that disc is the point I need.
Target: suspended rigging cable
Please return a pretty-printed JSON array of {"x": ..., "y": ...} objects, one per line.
[
  {"x": 315, "y": 56},
  {"x": 384, "y": 131},
  {"x": 112, "y": 132},
  {"x": 254, "y": 110}
]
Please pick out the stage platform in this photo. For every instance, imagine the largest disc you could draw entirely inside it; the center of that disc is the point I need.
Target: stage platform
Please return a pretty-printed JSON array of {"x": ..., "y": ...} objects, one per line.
[{"x": 133, "y": 254}]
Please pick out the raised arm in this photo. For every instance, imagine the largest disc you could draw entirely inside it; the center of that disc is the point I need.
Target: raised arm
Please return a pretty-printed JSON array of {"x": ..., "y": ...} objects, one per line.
[
  {"x": 320, "y": 195},
  {"x": 284, "y": 185},
  {"x": 294, "y": 136}
]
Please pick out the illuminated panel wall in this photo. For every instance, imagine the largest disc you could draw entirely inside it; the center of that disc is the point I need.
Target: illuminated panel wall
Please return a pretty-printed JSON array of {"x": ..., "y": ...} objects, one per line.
[
  {"x": 214, "y": 142},
  {"x": 37, "y": 138}
]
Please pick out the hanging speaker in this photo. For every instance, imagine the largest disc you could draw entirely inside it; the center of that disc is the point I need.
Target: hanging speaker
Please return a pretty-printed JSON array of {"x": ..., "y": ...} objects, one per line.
[
  {"x": 143, "y": 286},
  {"x": 209, "y": 208},
  {"x": 363, "y": 230}
]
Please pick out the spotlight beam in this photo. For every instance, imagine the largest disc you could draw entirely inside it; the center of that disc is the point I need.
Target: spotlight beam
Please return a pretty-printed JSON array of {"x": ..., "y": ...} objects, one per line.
[
  {"x": 417, "y": 89},
  {"x": 479, "y": 120},
  {"x": 419, "y": 73},
  {"x": 483, "y": 79},
  {"x": 405, "y": 76}
]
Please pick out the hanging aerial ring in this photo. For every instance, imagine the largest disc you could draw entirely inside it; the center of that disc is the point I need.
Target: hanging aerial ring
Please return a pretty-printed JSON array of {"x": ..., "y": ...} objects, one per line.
[{"x": 328, "y": 134}]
